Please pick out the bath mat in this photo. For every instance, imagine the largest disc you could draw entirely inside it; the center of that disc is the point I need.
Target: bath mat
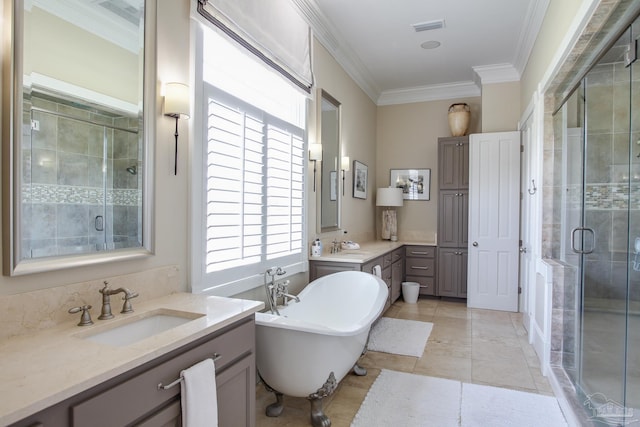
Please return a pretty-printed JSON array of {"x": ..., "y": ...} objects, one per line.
[
  {"x": 410, "y": 400},
  {"x": 398, "y": 336}
]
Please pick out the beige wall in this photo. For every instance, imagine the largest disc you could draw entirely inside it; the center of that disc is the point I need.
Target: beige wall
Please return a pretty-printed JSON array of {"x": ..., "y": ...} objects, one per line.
[
  {"x": 558, "y": 18},
  {"x": 358, "y": 139},
  {"x": 407, "y": 138},
  {"x": 500, "y": 107},
  {"x": 171, "y": 204}
]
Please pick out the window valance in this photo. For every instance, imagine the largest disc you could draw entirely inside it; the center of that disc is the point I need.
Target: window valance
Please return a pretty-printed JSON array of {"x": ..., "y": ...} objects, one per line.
[{"x": 272, "y": 30}]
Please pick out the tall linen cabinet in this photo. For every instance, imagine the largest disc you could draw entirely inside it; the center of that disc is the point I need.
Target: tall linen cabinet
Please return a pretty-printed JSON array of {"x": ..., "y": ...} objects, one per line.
[{"x": 453, "y": 209}]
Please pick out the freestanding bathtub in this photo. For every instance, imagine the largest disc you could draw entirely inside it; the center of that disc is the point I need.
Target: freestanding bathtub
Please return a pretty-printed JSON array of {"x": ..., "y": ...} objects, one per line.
[{"x": 314, "y": 343}]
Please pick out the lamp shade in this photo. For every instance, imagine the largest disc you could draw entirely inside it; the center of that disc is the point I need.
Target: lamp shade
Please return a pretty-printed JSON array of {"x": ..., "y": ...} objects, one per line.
[
  {"x": 345, "y": 163},
  {"x": 315, "y": 151},
  {"x": 176, "y": 100},
  {"x": 389, "y": 196}
]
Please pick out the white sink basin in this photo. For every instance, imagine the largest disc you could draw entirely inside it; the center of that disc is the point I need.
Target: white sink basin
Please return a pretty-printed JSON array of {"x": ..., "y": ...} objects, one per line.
[{"x": 133, "y": 329}]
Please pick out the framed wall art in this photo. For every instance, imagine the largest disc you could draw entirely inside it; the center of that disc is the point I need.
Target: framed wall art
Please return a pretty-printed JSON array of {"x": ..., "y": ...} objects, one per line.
[
  {"x": 360, "y": 180},
  {"x": 415, "y": 183}
]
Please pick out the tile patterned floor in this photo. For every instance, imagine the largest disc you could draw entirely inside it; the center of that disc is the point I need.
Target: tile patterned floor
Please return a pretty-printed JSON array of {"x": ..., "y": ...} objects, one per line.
[{"x": 469, "y": 345}]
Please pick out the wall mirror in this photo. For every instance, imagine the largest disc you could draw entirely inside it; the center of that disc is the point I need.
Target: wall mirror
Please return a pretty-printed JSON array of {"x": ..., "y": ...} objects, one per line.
[
  {"x": 78, "y": 117},
  {"x": 330, "y": 173}
]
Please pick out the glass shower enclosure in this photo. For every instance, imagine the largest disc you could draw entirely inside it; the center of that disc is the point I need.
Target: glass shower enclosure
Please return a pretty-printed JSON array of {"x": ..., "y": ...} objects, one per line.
[{"x": 599, "y": 236}]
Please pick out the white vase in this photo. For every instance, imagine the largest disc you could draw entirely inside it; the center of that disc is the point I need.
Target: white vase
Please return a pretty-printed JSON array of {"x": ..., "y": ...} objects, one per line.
[{"x": 459, "y": 115}]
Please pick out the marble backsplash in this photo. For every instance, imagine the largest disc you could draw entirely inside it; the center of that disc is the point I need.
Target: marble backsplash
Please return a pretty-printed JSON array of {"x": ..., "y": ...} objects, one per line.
[{"x": 38, "y": 310}]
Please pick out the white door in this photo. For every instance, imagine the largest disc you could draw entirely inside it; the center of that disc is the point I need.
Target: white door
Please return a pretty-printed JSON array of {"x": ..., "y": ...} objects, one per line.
[{"x": 494, "y": 220}]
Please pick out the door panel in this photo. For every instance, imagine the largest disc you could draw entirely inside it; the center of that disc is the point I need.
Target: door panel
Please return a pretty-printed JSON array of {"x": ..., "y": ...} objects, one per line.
[{"x": 494, "y": 221}]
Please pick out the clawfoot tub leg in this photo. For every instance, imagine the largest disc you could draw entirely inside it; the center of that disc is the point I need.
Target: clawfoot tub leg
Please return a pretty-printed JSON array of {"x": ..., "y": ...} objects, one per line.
[
  {"x": 276, "y": 408},
  {"x": 359, "y": 370},
  {"x": 318, "y": 418}
]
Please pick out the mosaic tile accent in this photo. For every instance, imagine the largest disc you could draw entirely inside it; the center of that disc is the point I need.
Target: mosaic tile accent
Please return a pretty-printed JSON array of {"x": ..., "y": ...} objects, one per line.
[{"x": 68, "y": 194}]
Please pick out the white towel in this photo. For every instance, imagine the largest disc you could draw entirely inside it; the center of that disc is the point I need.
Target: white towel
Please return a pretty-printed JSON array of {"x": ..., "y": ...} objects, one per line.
[
  {"x": 198, "y": 398},
  {"x": 377, "y": 271}
]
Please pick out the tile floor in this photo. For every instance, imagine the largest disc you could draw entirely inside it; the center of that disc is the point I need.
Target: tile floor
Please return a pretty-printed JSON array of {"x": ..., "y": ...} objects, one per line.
[{"x": 469, "y": 345}]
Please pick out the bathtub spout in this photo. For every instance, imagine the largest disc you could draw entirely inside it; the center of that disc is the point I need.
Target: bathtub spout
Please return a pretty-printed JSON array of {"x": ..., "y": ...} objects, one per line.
[{"x": 289, "y": 297}]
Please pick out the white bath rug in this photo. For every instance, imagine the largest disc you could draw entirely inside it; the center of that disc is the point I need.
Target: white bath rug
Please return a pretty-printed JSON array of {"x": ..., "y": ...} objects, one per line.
[
  {"x": 398, "y": 336},
  {"x": 493, "y": 406},
  {"x": 410, "y": 400}
]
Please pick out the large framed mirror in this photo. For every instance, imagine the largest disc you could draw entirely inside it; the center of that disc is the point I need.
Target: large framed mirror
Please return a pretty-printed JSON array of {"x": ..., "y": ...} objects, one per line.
[
  {"x": 330, "y": 196},
  {"x": 78, "y": 120}
]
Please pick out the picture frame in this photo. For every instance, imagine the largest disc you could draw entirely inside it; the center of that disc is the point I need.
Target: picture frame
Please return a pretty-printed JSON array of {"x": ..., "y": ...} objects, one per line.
[
  {"x": 415, "y": 183},
  {"x": 333, "y": 185},
  {"x": 360, "y": 180}
]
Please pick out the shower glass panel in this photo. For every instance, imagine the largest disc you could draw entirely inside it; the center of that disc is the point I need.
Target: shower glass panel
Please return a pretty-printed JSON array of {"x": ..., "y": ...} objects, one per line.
[
  {"x": 633, "y": 288},
  {"x": 82, "y": 190},
  {"x": 603, "y": 239}
]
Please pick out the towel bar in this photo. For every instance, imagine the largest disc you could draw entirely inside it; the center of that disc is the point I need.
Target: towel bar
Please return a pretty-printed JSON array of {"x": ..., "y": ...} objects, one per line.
[{"x": 215, "y": 357}]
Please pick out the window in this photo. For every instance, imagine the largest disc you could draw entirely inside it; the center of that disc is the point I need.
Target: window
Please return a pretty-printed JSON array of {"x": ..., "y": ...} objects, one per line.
[{"x": 249, "y": 170}]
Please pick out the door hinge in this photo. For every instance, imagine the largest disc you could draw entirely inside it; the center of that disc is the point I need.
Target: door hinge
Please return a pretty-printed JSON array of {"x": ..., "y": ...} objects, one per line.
[
  {"x": 522, "y": 148},
  {"x": 35, "y": 125},
  {"x": 519, "y": 289},
  {"x": 631, "y": 54},
  {"x": 520, "y": 243}
]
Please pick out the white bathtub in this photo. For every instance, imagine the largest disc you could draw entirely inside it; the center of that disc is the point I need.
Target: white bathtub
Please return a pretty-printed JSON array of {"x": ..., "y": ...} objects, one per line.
[{"x": 325, "y": 332}]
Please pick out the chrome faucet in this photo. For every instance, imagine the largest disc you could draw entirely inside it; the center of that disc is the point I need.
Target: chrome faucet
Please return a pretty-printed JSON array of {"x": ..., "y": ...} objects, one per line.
[
  {"x": 335, "y": 246},
  {"x": 106, "y": 300},
  {"x": 282, "y": 290}
]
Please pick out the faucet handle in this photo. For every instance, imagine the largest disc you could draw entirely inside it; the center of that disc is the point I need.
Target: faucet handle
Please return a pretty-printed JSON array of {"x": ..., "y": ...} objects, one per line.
[
  {"x": 106, "y": 287},
  {"x": 126, "y": 307},
  {"x": 85, "y": 318}
]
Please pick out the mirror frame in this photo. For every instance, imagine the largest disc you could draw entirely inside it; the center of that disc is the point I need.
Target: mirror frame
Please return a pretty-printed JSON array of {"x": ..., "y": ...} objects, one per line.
[
  {"x": 324, "y": 95},
  {"x": 12, "y": 103}
]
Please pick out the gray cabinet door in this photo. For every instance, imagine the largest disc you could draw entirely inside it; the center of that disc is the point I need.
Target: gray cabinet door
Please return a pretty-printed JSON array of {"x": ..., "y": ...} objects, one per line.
[
  {"x": 452, "y": 272},
  {"x": 453, "y": 163}
]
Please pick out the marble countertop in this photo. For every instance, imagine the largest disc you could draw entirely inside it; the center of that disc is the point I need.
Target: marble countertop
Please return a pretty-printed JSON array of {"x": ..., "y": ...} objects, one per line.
[
  {"x": 367, "y": 251},
  {"x": 47, "y": 367}
]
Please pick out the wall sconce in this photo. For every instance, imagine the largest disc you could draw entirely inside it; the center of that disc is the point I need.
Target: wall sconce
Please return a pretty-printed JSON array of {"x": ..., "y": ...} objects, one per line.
[
  {"x": 389, "y": 197},
  {"x": 176, "y": 105},
  {"x": 345, "y": 163},
  {"x": 315, "y": 154}
]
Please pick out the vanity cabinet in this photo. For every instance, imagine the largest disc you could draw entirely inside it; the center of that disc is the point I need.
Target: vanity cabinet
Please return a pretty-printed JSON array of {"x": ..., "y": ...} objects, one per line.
[
  {"x": 452, "y": 272},
  {"x": 134, "y": 398},
  {"x": 421, "y": 267},
  {"x": 397, "y": 274}
]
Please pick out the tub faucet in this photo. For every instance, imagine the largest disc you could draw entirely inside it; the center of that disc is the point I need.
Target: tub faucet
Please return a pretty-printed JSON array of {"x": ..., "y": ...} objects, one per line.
[
  {"x": 282, "y": 290},
  {"x": 106, "y": 300}
]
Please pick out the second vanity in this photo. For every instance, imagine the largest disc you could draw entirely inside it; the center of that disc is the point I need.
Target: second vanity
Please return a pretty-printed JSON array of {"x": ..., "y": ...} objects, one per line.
[
  {"x": 59, "y": 377},
  {"x": 399, "y": 261}
]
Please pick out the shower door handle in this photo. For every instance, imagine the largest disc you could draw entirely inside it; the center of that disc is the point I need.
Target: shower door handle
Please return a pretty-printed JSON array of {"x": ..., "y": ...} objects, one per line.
[{"x": 573, "y": 240}]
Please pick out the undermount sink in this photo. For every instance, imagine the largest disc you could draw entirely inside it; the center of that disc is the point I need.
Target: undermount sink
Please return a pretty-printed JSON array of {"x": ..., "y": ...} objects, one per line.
[{"x": 137, "y": 328}]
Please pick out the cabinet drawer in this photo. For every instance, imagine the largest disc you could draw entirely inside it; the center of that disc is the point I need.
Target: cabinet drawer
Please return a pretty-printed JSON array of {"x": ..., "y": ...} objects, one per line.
[
  {"x": 386, "y": 260},
  {"x": 420, "y": 267},
  {"x": 397, "y": 255},
  {"x": 427, "y": 284},
  {"x": 136, "y": 397},
  {"x": 420, "y": 251}
]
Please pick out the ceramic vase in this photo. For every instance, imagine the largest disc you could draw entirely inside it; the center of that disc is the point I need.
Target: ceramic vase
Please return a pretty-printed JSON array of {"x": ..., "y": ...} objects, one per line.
[{"x": 459, "y": 115}]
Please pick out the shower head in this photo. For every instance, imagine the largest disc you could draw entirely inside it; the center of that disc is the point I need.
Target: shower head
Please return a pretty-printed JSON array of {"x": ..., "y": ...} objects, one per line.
[{"x": 133, "y": 169}]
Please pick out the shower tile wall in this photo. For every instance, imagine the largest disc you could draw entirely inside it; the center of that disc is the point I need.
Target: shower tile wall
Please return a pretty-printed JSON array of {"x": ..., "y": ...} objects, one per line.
[{"x": 73, "y": 173}]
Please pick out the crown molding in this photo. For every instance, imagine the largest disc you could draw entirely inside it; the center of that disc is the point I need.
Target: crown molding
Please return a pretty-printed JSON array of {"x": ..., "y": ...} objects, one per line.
[
  {"x": 429, "y": 93},
  {"x": 529, "y": 34},
  {"x": 339, "y": 48},
  {"x": 495, "y": 73}
]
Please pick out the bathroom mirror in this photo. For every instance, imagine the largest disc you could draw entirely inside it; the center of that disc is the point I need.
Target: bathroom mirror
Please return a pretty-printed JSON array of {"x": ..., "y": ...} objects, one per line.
[
  {"x": 331, "y": 176},
  {"x": 78, "y": 117}
]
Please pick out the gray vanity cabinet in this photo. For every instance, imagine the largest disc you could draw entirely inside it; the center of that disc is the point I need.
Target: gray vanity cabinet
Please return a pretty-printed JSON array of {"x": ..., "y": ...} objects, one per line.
[
  {"x": 452, "y": 272},
  {"x": 421, "y": 267},
  {"x": 134, "y": 397}
]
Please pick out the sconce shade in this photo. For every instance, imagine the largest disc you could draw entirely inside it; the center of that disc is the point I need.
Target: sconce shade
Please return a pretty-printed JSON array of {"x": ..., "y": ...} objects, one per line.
[
  {"x": 315, "y": 151},
  {"x": 176, "y": 100},
  {"x": 346, "y": 163},
  {"x": 389, "y": 196}
]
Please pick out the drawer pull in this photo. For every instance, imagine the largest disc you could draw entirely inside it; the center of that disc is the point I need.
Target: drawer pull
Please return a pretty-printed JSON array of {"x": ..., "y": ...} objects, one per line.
[
  {"x": 215, "y": 357},
  {"x": 419, "y": 268},
  {"x": 419, "y": 253}
]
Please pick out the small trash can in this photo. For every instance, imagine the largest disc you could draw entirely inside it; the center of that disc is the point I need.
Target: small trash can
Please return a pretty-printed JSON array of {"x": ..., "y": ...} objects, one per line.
[{"x": 410, "y": 291}]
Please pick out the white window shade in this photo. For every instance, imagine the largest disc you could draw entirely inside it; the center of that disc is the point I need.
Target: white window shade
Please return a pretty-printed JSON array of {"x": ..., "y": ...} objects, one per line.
[{"x": 273, "y": 30}]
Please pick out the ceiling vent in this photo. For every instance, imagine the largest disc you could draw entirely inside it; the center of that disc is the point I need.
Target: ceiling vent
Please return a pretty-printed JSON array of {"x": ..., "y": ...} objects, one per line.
[{"x": 426, "y": 26}]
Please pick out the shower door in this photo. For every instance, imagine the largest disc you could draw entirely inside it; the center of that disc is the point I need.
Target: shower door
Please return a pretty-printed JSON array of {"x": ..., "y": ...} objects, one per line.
[{"x": 602, "y": 243}]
